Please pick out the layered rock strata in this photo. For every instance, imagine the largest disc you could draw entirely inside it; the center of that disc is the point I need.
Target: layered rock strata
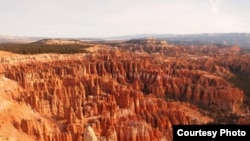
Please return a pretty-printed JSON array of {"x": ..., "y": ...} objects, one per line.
[{"x": 108, "y": 98}]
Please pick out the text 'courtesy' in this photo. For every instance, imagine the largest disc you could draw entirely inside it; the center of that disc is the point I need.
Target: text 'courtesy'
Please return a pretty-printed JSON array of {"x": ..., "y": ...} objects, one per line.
[{"x": 210, "y": 132}]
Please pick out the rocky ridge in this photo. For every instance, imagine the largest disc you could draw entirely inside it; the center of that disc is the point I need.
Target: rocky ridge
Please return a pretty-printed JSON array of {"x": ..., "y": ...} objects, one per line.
[{"x": 106, "y": 95}]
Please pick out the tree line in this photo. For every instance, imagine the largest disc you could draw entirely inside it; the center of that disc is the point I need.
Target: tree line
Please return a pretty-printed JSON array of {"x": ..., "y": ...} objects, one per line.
[{"x": 36, "y": 48}]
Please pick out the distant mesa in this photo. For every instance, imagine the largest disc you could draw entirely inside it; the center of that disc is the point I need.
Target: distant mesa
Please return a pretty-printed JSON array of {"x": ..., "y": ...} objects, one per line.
[
  {"x": 239, "y": 39},
  {"x": 31, "y": 39},
  {"x": 147, "y": 41},
  {"x": 59, "y": 41}
]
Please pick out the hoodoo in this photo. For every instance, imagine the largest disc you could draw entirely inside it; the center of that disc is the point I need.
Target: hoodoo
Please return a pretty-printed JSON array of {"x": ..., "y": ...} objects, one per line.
[{"x": 134, "y": 90}]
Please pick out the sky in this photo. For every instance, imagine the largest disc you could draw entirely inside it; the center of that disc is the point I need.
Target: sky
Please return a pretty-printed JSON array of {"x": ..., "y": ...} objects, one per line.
[{"x": 109, "y": 18}]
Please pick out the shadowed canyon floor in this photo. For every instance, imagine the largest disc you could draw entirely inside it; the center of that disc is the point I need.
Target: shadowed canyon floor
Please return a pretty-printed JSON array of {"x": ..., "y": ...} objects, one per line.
[{"x": 129, "y": 91}]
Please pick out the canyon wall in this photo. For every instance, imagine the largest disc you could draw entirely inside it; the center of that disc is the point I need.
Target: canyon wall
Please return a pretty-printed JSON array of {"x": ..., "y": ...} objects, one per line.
[
  {"x": 109, "y": 96},
  {"x": 131, "y": 93}
]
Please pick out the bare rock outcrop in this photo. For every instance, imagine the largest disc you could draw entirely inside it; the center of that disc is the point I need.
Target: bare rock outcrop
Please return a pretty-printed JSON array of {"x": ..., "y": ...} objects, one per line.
[{"x": 109, "y": 96}]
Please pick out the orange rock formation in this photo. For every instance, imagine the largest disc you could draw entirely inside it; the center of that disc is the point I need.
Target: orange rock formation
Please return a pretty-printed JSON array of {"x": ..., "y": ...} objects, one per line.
[{"x": 114, "y": 95}]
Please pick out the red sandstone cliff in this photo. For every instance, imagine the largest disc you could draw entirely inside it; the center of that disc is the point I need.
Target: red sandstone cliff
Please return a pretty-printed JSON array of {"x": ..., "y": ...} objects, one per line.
[{"x": 109, "y": 96}]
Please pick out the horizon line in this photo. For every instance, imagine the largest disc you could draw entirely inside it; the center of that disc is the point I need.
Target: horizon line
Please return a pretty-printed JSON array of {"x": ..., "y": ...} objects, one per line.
[{"x": 125, "y": 35}]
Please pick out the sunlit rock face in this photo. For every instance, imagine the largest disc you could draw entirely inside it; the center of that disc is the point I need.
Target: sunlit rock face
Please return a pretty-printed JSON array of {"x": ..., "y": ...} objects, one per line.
[{"x": 114, "y": 95}]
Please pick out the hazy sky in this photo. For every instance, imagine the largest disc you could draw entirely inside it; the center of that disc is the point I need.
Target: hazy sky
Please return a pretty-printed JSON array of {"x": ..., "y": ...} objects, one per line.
[{"x": 105, "y": 18}]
